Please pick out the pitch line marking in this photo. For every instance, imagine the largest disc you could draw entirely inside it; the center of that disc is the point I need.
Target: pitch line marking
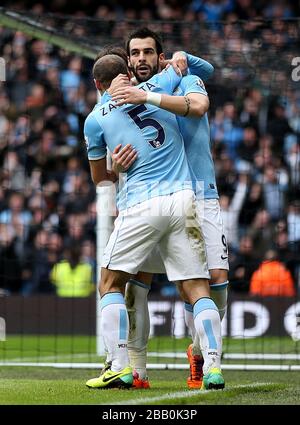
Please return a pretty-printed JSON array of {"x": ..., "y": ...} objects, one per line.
[{"x": 189, "y": 393}]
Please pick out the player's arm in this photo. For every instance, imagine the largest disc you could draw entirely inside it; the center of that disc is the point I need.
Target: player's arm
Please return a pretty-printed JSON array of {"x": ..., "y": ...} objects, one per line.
[
  {"x": 183, "y": 62},
  {"x": 193, "y": 88},
  {"x": 191, "y": 105},
  {"x": 200, "y": 67},
  {"x": 122, "y": 158},
  {"x": 96, "y": 149},
  {"x": 100, "y": 173}
]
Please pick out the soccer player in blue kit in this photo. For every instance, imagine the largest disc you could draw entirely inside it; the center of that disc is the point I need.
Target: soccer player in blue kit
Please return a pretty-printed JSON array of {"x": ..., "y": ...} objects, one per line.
[
  {"x": 145, "y": 51},
  {"x": 156, "y": 207}
]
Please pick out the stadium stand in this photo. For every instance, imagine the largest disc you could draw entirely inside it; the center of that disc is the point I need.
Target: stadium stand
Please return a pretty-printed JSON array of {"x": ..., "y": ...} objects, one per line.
[{"x": 47, "y": 199}]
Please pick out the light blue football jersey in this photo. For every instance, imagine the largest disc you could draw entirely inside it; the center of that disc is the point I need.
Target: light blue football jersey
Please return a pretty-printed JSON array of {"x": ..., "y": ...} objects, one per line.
[
  {"x": 196, "y": 136},
  {"x": 161, "y": 167},
  {"x": 199, "y": 66}
]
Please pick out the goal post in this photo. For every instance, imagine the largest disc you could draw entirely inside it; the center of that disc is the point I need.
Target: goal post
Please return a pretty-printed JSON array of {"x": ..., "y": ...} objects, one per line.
[{"x": 106, "y": 205}]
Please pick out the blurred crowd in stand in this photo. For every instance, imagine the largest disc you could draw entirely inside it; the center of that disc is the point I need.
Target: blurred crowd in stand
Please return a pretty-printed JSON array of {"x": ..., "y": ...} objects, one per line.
[{"x": 47, "y": 198}]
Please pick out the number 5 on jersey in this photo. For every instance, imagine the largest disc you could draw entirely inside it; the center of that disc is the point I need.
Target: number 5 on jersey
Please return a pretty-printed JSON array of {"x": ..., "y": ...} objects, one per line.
[{"x": 148, "y": 122}]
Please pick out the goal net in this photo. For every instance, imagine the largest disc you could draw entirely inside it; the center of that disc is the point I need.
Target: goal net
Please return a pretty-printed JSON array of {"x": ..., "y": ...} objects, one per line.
[{"x": 50, "y": 210}]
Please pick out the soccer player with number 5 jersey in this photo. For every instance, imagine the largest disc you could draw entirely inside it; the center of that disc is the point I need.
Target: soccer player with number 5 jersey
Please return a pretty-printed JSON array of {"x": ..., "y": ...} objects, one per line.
[
  {"x": 156, "y": 208},
  {"x": 145, "y": 54}
]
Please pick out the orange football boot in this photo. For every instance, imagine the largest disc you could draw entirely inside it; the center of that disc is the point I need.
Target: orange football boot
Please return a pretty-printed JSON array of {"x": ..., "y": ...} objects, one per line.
[
  {"x": 140, "y": 383},
  {"x": 194, "y": 381}
]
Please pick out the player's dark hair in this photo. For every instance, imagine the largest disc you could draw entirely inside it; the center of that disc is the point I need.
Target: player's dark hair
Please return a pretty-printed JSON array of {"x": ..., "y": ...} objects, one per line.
[
  {"x": 112, "y": 50},
  {"x": 108, "y": 67},
  {"x": 145, "y": 32}
]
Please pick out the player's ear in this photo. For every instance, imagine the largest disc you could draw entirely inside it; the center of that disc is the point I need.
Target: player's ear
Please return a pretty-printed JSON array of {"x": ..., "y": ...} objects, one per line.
[
  {"x": 161, "y": 57},
  {"x": 129, "y": 64}
]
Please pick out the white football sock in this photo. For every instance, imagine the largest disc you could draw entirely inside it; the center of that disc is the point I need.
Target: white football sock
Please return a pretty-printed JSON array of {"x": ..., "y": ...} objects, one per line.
[
  {"x": 219, "y": 294},
  {"x": 208, "y": 327},
  {"x": 139, "y": 325},
  {"x": 189, "y": 321},
  {"x": 114, "y": 328}
]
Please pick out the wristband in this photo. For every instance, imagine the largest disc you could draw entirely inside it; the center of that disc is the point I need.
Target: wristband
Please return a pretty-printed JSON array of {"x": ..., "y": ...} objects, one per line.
[{"x": 153, "y": 98}]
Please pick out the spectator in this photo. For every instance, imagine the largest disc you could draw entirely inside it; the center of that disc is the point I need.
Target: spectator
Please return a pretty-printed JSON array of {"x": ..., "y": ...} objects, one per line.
[
  {"x": 75, "y": 230},
  {"x": 229, "y": 129},
  {"x": 73, "y": 277},
  {"x": 17, "y": 215},
  {"x": 274, "y": 193},
  {"x": 212, "y": 10},
  {"x": 248, "y": 146},
  {"x": 272, "y": 278},
  {"x": 293, "y": 161},
  {"x": 37, "y": 266},
  {"x": 14, "y": 171},
  {"x": 286, "y": 253},
  {"x": 279, "y": 127},
  {"x": 70, "y": 79},
  {"x": 253, "y": 202},
  {"x": 262, "y": 231},
  {"x": 230, "y": 210},
  {"x": 293, "y": 221},
  {"x": 226, "y": 174},
  {"x": 10, "y": 264},
  {"x": 242, "y": 265},
  {"x": 249, "y": 114}
]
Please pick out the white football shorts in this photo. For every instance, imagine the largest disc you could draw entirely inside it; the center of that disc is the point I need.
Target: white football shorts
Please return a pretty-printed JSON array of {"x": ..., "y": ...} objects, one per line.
[
  {"x": 211, "y": 223},
  {"x": 168, "y": 222}
]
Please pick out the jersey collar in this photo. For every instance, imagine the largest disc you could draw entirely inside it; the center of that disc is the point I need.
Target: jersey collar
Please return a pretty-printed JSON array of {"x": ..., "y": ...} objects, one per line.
[{"x": 105, "y": 97}]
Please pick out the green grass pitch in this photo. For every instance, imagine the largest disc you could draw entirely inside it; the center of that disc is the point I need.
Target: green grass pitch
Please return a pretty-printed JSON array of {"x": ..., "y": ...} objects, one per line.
[
  {"x": 33, "y": 386},
  {"x": 23, "y": 385}
]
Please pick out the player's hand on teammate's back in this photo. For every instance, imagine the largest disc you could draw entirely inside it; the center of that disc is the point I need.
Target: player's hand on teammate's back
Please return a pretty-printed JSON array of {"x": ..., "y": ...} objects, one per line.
[
  {"x": 120, "y": 80},
  {"x": 123, "y": 158},
  {"x": 129, "y": 94}
]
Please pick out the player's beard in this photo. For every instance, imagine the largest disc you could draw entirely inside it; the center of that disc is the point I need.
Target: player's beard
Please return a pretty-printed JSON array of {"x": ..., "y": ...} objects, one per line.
[{"x": 145, "y": 76}]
